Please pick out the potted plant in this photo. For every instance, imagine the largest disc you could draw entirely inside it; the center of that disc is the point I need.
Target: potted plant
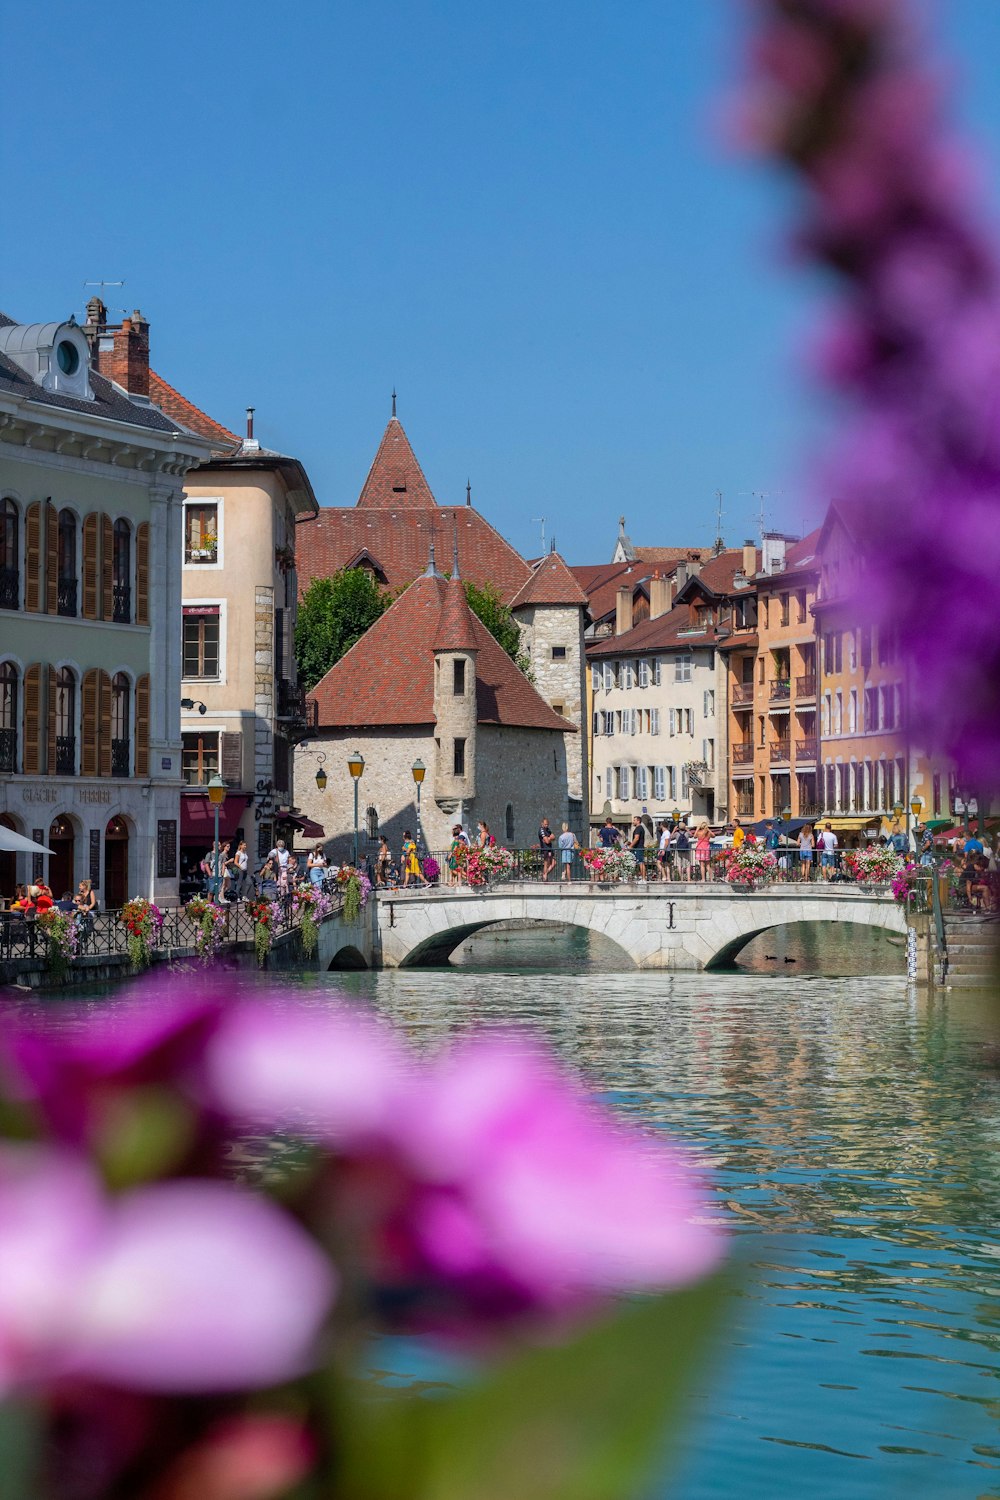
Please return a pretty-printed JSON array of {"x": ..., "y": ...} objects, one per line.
[{"x": 750, "y": 867}]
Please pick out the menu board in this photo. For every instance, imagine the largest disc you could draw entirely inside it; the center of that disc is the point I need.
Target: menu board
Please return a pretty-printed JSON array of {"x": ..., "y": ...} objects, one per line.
[
  {"x": 95, "y": 858},
  {"x": 166, "y": 848}
]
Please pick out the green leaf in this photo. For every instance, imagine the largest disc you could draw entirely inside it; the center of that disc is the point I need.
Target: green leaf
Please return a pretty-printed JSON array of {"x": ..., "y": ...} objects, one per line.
[
  {"x": 20, "y": 1452},
  {"x": 587, "y": 1419}
]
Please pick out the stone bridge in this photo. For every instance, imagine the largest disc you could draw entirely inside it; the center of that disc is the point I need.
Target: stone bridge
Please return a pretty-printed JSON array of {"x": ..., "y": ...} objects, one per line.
[{"x": 669, "y": 926}]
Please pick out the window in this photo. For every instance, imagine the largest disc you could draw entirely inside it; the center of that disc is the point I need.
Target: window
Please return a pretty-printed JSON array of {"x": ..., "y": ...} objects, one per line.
[
  {"x": 558, "y": 653},
  {"x": 121, "y": 698},
  {"x": 10, "y": 561},
  {"x": 371, "y": 824},
  {"x": 65, "y": 716},
  {"x": 673, "y": 720},
  {"x": 657, "y": 671},
  {"x": 800, "y": 602},
  {"x": 8, "y": 718},
  {"x": 609, "y": 723},
  {"x": 458, "y": 682},
  {"x": 852, "y": 651},
  {"x": 871, "y": 709},
  {"x": 659, "y": 784},
  {"x": 629, "y": 670},
  {"x": 886, "y": 704},
  {"x": 122, "y": 595},
  {"x": 760, "y": 670},
  {"x": 201, "y": 532},
  {"x": 597, "y": 784},
  {"x": 644, "y": 674},
  {"x": 825, "y": 714},
  {"x": 632, "y": 720},
  {"x": 508, "y": 822},
  {"x": 708, "y": 704},
  {"x": 596, "y": 678},
  {"x": 682, "y": 668},
  {"x": 866, "y": 649},
  {"x": 557, "y": 708},
  {"x": 67, "y": 563},
  {"x": 784, "y": 609},
  {"x": 852, "y": 712},
  {"x": 936, "y": 793},
  {"x": 838, "y": 713},
  {"x": 642, "y": 782},
  {"x": 199, "y": 757},
  {"x": 684, "y": 782},
  {"x": 760, "y": 729},
  {"x": 654, "y": 721},
  {"x": 201, "y": 641},
  {"x": 597, "y": 723},
  {"x": 459, "y": 758},
  {"x": 609, "y": 677}
]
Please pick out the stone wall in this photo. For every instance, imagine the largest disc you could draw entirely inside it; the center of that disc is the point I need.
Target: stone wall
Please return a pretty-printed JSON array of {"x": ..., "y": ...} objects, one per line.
[{"x": 562, "y": 683}]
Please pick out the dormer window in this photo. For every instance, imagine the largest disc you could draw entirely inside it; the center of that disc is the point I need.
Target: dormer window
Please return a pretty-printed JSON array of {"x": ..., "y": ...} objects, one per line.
[{"x": 55, "y": 356}]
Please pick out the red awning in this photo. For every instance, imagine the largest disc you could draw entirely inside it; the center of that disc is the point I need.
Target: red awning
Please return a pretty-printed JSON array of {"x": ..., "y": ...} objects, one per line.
[
  {"x": 198, "y": 816},
  {"x": 306, "y": 826}
]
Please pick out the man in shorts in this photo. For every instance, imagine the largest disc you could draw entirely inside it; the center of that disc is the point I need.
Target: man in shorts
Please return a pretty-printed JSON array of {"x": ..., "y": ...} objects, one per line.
[{"x": 827, "y": 843}]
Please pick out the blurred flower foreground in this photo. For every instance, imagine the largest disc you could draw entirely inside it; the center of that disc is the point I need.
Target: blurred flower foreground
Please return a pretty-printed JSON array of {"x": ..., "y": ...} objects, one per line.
[{"x": 175, "y": 1328}]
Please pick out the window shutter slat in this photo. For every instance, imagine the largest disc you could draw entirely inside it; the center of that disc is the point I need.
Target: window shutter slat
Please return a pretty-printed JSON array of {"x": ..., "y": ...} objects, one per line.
[
  {"x": 104, "y": 725},
  {"x": 232, "y": 759},
  {"x": 107, "y": 568},
  {"x": 142, "y": 726},
  {"x": 33, "y": 559},
  {"x": 32, "y": 758},
  {"x": 50, "y": 710},
  {"x": 51, "y": 559},
  {"x": 91, "y": 525},
  {"x": 88, "y": 722},
  {"x": 142, "y": 574}
]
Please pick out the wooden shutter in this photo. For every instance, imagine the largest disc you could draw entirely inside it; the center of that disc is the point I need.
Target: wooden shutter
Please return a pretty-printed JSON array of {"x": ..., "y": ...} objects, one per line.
[
  {"x": 50, "y": 711},
  {"x": 107, "y": 568},
  {"x": 32, "y": 758},
  {"x": 91, "y": 543},
  {"x": 231, "y": 759},
  {"x": 142, "y": 726},
  {"x": 51, "y": 559},
  {"x": 104, "y": 724},
  {"x": 89, "y": 722},
  {"x": 33, "y": 548},
  {"x": 142, "y": 574}
]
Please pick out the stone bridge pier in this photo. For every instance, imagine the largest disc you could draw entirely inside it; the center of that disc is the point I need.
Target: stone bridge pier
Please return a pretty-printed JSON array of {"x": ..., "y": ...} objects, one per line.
[{"x": 671, "y": 926}]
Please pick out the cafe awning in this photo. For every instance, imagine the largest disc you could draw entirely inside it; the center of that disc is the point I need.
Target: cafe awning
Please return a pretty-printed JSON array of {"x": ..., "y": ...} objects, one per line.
[
  {"x": 198, "y": 816},
  {"x": 849, "y": 825},
  {"x": 306, "y": 826}
]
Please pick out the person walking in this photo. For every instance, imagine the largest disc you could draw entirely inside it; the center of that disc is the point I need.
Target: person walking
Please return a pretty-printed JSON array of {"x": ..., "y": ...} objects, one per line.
[
  {"x": 383, "y": 861},
  {"x": 547, "y": 846},
  {"x": 240, "y": 865},
  {"x": 567, "y": 848},
  {"x": 410, "y": 860},
  {"x": 663, "y": 851},
  {"x": 807, "y": 844},
  {"x": 279, "y": 855},
  {"x": 316, "y": 866},
  {"x": 827, "y": 845},
  {"x": 637, "y": 844},
  {"x": 457, "y": 855}
]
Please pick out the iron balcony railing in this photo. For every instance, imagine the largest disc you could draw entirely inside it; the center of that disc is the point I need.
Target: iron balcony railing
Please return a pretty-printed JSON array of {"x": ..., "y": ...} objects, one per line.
[
  {"x": 66, "y": 596},
  {"x": 10, "y": 588},
  {"x": 781, "y": 690},
  {"x": 8, "y": 750},
  {"x": 120, "y": 757},
  {"x": 805, "y": 749},
  {"x": 121, "y": 604},
  {"x": 742, "y": 755},
  {"x": 742, "y": 695},
  {"x": 780, "y": 750},
  {"x": 66, "y": 755},
  {"x": 805, "y": 687}
]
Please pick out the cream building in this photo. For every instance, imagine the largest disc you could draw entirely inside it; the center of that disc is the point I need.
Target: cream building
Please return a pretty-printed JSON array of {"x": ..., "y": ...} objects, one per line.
[{"x": 91, "y": 497}]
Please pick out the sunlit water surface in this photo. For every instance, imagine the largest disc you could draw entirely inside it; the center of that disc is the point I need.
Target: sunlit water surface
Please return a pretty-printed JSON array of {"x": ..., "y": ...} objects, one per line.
[{"x": 850, "y": 1126}]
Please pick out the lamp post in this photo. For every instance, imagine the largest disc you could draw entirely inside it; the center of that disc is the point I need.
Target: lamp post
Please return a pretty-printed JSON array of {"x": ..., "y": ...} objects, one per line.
[
  {"x": 915, "y": 805},
  {"x": 675, "y": 816},
  {"x": 356, "y": 766},
  {"x": 320, "y": 773},
  {"x": 216, "y": 795},
  {"x": 786, "y": 813},
  {"x": 419, "y": 772}
]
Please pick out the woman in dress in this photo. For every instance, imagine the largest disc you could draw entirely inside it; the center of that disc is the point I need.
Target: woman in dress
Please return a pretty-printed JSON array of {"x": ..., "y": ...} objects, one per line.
[
  {"x": 411, "y": 863},
  {"x": 567, "y": 848},
  {"x": 456, "y": 856},
  {"x": 485, "y": 838},
  {"x": 703, "y": 849},
  {"x": 316, "y": 865}
]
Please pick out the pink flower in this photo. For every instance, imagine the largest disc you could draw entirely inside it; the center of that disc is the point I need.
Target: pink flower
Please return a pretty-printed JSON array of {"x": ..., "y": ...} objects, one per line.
[{"x": 180, "y": 1286}]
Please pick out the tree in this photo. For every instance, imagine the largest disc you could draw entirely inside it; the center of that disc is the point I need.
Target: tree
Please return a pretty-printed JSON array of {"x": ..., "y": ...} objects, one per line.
[
  {"x": 334, "y": 613},
  {"x": 488, "y": 606}
]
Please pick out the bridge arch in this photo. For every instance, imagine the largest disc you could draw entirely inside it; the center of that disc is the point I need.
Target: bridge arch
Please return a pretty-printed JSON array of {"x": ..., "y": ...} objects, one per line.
[
  {"x": 878, "y": 918},
  {"x": 435, "y": 951},
  {"x": 348, "y": 957}
]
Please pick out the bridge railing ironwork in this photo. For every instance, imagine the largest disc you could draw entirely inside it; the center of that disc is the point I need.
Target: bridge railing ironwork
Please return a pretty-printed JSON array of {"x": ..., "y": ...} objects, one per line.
[{"x": 528, "y": 867}]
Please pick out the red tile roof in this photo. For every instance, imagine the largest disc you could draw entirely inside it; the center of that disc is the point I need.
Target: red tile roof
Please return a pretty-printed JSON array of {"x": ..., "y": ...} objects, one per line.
[
  {"x": 387, "y": 678},
  {"x": 552, "y": 582},
  {"x": 456, "y": 630},
  {"x": 184, "y": 412},
  {"x": 718, "y": 571},
  {"x": 601, "y": 582},
  {"x": 672, "y": 631},
  {"x": 668, "y": 554},
  {"x": 395, "y": 479}
]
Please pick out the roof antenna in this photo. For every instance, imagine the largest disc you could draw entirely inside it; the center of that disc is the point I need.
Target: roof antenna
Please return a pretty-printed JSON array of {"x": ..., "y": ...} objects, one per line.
[
  {"x": 454, "y": 552},
  {"x": 468, "y": 492},
  {"x": 542, "y": 520},
  {"x": 720, "y": 545},
  {"x": 394, "y": 400}
]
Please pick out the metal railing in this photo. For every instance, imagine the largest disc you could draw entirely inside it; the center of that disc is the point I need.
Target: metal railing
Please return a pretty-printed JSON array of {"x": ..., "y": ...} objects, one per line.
[
  {"x": 120, "y": 757},
  {"x": 742, "y": 695},
  {"x": 10, "y": 588},
  {"x": 805, "y": 687},
  {"x": 805, "y": 749},
  {"x": 121, "y": 604},
  {"x": 66, "y": 596},
  {"x": 742, "y": 755},
  {"x": 65, "y": 755},
  {"x": 780, "y": 750},
  {"x": 781, "y": 690},
  {"x": 8, "y": 750}
]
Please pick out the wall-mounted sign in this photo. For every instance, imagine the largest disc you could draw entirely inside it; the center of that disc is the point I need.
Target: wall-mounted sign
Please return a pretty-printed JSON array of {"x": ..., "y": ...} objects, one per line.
[
  {"x": 166, "y": 849},
  {"x": 166, "y": 763},
  {"x": 95, "y": 858}
]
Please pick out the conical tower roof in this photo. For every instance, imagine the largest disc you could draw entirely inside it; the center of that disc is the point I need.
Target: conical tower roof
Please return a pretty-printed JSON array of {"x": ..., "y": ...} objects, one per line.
[
  {"x": 456, "y": 629},
  {"x": 395, "y": 480}
]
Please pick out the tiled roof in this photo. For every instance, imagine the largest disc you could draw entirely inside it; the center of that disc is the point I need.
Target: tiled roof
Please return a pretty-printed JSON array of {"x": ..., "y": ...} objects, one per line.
[
  {"x": 601, "y": 582},
  {"x": 552, "y": 582},
  {"x": 669, "y": 554},
  {"x": 395, "y": 479},
  {"x": 672, "y": 631},
  {"x": 108, "y": 400},
  {"x": 719, "y": 571},
  {"x": 456, "y": 629},
  {"x": 399, "y": 542},
  {"x": 186, "y": 414},
  {"x": 387, "y": 678}
]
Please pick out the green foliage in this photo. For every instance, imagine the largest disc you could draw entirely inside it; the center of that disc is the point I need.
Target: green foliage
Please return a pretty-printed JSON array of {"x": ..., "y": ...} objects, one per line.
[
  {"x": 487, "y": 604},
  {"x": 334, "y": 613},
  {"x": 586, "y": 1419},
  {"x": 352, "y": 899}
]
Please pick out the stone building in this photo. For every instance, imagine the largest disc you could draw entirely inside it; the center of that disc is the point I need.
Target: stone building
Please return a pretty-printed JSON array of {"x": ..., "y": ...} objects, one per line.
[
  {"x": 388, "y": 532},
  {"x": 427, "y": 682},
  {"x": 91, "y": 476}
]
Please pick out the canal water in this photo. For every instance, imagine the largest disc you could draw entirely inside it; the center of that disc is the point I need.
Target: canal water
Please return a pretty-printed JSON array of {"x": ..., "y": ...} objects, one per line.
[{"x": 850, "y": 1126}]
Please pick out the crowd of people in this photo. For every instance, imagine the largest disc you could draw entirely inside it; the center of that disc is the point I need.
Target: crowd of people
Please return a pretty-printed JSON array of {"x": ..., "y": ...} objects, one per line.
[
  {"x": 228, "y": 878},
  {"x": 31, "y": 901}
]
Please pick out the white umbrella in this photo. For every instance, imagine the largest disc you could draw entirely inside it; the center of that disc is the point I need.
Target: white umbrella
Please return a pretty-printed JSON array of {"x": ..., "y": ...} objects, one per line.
[{"x": 16, "y": 843}]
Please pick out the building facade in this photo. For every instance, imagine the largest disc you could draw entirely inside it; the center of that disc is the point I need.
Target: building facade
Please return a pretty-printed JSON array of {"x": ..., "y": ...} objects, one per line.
[{"x": 91, "y": 478}]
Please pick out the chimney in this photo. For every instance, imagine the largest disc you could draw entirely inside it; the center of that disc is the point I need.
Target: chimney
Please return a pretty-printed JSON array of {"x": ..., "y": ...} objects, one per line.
[
  {"x": 623, "y": 611},
  {"x": 661, "y": 596},
  {"x": 749, "y": 559},
  {"x": 773, "y": 552},
  {"x": 681, "y": 575},
  {"x": 97, "y": 314},
  {"x": 122, "y": 353},
  {"x": 250, "y": 412}
]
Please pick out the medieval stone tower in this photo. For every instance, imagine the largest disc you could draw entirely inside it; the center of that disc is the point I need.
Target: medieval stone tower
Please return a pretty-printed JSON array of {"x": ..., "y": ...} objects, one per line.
[{"x": 455, "y": 708}]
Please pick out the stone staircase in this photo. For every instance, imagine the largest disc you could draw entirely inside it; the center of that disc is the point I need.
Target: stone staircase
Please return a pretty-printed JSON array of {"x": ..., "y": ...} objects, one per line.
[{"x": 973, "y": 946}]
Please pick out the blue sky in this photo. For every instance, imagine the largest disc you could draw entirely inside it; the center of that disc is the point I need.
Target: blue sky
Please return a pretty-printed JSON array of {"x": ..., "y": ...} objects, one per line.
[{"x": 520, "y": 215}]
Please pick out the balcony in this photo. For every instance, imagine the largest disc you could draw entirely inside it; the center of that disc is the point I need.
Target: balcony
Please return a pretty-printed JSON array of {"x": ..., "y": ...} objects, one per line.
[
  {"x": 291, "y": 700},
  {"x": 10, "y": 588},
  {"x": 742, "y": 755},
  {"x": 8, "y": 750},
  {"x": 121, "y": 606},
  {"x": 701, "y": 776},
  {"x": 809, "y": 809},
  {"x": 781, "y": 691},
  {"x": 66, "y": 597},
  {"x": 742, "y": 695},
  {"x": 781, "y": 752},
  {"x": 805, "y": 687},
  {"x": 66, "y": 755},
  {"x": 120, "y": 757},
  {"x": 806, "y": 749},
  {"x": 207, "y": 553}
]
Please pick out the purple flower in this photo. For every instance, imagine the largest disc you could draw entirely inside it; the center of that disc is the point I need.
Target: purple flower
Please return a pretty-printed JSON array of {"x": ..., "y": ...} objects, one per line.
[{"x": 180, "y": 1286}]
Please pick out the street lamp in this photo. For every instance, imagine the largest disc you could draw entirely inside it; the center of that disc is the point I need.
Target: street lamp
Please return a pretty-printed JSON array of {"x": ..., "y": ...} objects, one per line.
[
  {"x": 786, "y": 813},
  {"x": 419, "y": 772},
  {"x": 916, "y": 803},
  {"x": 320, "y": 773},
  {"x": 675, "y": 815},
  {"x": 356, "y": 766},
  {"x": 216, "y": 795},
  {"x": 188, "y": 703}
]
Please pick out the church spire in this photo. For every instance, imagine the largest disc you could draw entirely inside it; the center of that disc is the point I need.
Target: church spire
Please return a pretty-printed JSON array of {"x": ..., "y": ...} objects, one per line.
[{"x": 394, "y": 400}]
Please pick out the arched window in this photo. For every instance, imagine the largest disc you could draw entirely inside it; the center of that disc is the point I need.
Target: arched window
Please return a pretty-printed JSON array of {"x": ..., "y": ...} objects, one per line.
[
  {"x": 67, "y": 562},
  {"x": 509, "y": 821},
  {"x": 8, "y": 718},
  {"x": 371, "y": 824},
  {"x": 122, "y": 607},
  {"x": 121, "y": 716},
  {"x": 65, "y": 717},
  {"x": 10, "y": 559}
]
